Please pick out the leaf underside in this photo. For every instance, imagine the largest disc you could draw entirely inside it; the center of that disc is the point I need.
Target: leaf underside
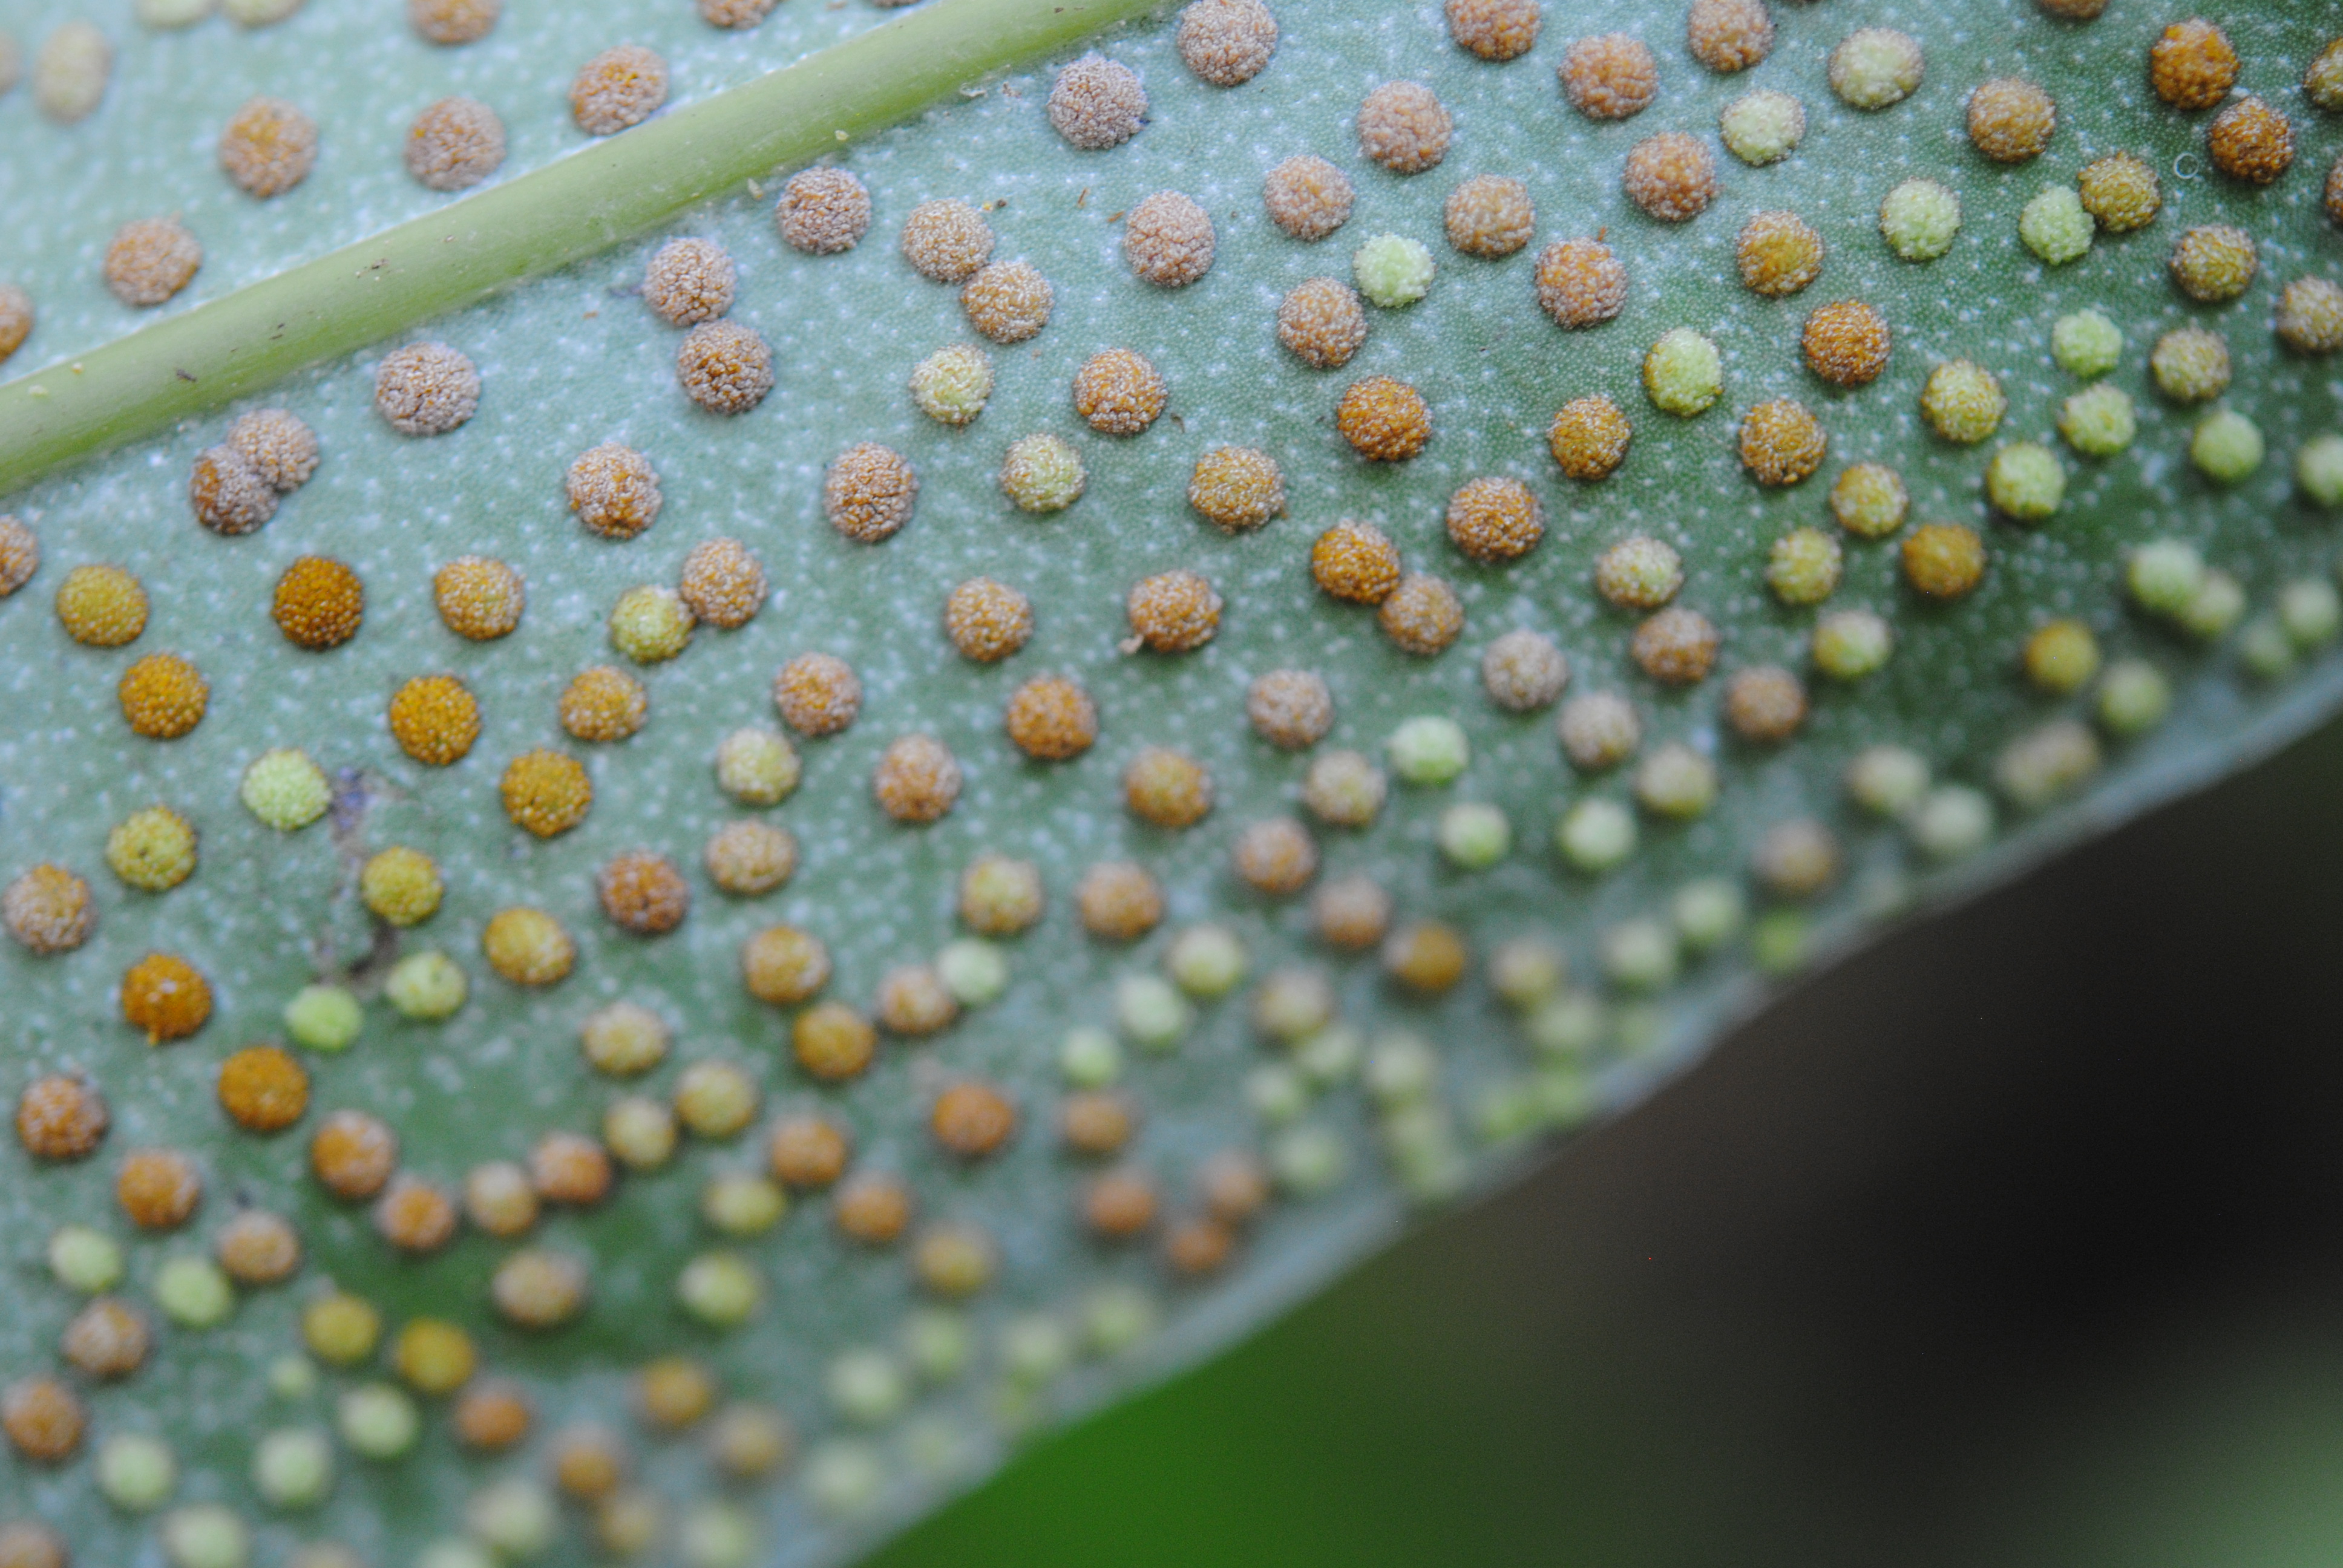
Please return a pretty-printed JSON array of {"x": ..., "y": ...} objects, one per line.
[{"x": 575, "y": 359}]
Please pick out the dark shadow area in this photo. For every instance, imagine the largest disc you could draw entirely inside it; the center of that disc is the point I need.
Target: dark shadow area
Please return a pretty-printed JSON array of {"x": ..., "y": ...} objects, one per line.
[{"x": 2018, "y": 1241}]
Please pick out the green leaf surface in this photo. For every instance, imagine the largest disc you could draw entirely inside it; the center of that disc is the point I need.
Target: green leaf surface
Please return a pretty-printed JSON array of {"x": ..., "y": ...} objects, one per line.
[{"x": 575, "y": 359}]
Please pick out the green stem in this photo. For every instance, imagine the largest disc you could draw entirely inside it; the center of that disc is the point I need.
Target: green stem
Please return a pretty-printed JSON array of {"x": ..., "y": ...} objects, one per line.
[{"x": 542, "y": 220}]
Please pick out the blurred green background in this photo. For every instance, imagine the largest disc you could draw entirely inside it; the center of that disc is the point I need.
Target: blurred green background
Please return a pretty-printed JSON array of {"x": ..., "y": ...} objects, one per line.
[{"x": 2017, "y": 1240}]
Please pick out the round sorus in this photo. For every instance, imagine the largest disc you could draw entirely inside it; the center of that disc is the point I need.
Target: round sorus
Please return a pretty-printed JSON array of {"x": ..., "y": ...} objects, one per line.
[
  {"x": 619, "y": 87},
  {"x": 805, "y": 1152},
  {"x": 954, "y": 1261},
  {"x": 1172, "y": 612},
  {"x": 1797, "y": 859},
  {"x": 603, "y": 704},
  {"x": 1404, "y": 126},
  {"x": 916, "y": 780},
  {"x": 2213, "y": 265},
  {"x": 434, "y": 1356},
  {"x": 1384, "y": 420},
  {"x": 1118, "y": 901},
  {"x": 164, "y": 996},
  {"x": 782, "y": 965},
  {"x": 1238, "y": 489},
  {"x": 107, "y": 1339},
  {"x": 2309, "y": 318},
  {"x": 527, "y": 947},
  {"x": 1495, "y": 30},
  {"x": 1042, "y": 474},
  {"x": 1919, "y": 219},
  {"x": 20, "y": 553},
  {"x": 258, "y": 1248},
  {"x": 1684, "y": 374},
  {"x": 1355, "y": 562},
  {"x": 454, "y": 144},
  {"x": 643, "y": 892},
  {"x": 987, "y": 620},
  {"x": 613, "y": 490},
  {"x": 816, "y": 694},
  {"x": 1393, "y": 270},
  {"x": 640, "y": 1130},
  {"x": 1097, "y": 102},
  {"x": 1611, "y": 76},
  {"x": 1167, "y": 788},
  {"x": 1944, "y": 560},
  {"x": 1765, "y": 705},
  {"x": 1050, "y": 718},
  {"x": 163, "y": 695},
  {"x": 1874, "y": 67},
  {"x": 1671, "y": 177},
  {"x": 757, "y": 767},
  {"x": 972, "y": 1120},
  {"x": 416, "y": 1216},
  {"x": 2011, "y": 120},
  {"x": 833, "y": 1042},
  {"x": 478, "y": 598},
  {"x": 263, "y": 1088},
  {"x": 1779, "y": 254},
  {"x": 1322, "y": 322},
  {"x": 1677, "y": 782},
  {"x": 1580, "y": 283},
  {"x": 1589, "y": 437},
  {"x": 2054, "y": 226},
  {"x": 1763, "y": 128},
  {"x": 60, "y": 1117},
  {"x": 1676, "y": 647},
  {"x": 545, "y": 792},
  {"x": 650, "y": 624},
  {"x": 435, "y": 719},
  {"x": 1850, "y": 644},
  {"x": 1007, "y": 301},
  {"x": 1782, "y": 442},
  {"x": 353, "y": 1154},
  {"x": 1275, "y": 857},
  {"x": 268, "y": 147},
  {"x": 319, "y": 603},
  {"x": 535, "y": 1288},
  {"x": 1427, "y": 958},
  {"x": 1803, "y": 566},
  {"x": 229, "y": 495},
  {"x": 1847, "y": 344},
  {"x": 491, "y": 1418},
  {"x": 1344, "y": 788},
  {"x": 691, "y": 280},
  {"x": 1489, "y": 215},
  {"x": 340, "y": 1329},
  {"x": 1422, "y": 616},
  {"x": 750, "y": 858},
  {"x": 1729, "y": 36},
  {"x": 1963, "y": 402},
  {"x": 569, "y": 1167},
  {"x": 874, "y": 1210},
  {"x": 1227, "y": 41},
  {"x": 450, "y": 22},
  {"x": 823, "y": 212},
  {"x": 1119, "y": 1205},
  {"x": 426, "y": 389},
  {"x": 101, "y": 606},
  {"x": 1495, "y": 520},
  {"x": 999, "y": 897},
  {"x": 1523, "y": 671},
  {"x": 2227, "y": 446},
  {"x": 150, "y": 259},
  {"x": 1167, "y": 240},
  {"x": 44, "y": 1419},
  {"x": 16, "y": 319},
  {"x": 913, "y": 1000},
  {"x": 1291, "y": 708},
  {"x": 1351, "y": 913},
  {"x": 498, "y": 1199},
  {"x": 724, "y": 367},
  {"x": 1869, "y": 500},
  {"x": 2061, "y": 657},
  {"x": 2192, "y": 65},
  {"x": 2025, "y": 482},
  {"x": 2120, "y": 191},
  {"x": 1095, "y": 1121},
  {"x": 952, "y": 385},
  {"x": 1307, "y": 196},
  {"x": 2087, "y": 344},
  {"x": 157, "y": 1189},
  {"x": 946, "y": 241},
  {"x": 868, "y": 493},
  {"x": 2098, "y": 421},
  {"x": 1118, "y": 393}
]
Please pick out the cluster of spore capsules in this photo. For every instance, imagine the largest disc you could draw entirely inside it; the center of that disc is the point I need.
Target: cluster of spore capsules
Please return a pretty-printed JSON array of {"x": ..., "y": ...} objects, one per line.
[{"x": 395, "y": 1378}]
